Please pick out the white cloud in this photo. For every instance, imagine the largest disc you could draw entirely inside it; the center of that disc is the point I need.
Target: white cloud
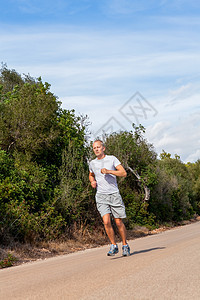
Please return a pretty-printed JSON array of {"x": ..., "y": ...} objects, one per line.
[
  {"x": 193, "y": 157},
  {"x": 96, "y": 72},
  {"x": 182, "y": 138},
  {"x": 155, "y": 131},
  {"x": 180, "y": 91},
  {"x": 93, "y": 56}
]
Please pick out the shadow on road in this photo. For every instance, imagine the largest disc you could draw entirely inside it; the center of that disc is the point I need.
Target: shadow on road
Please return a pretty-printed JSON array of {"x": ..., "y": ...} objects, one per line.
[
  {"x": 147, "y": 250},
  {"x": 141, "y": 251}
]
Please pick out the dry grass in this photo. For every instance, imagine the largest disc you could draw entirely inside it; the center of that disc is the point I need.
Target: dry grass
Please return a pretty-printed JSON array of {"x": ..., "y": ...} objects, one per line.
[
  {"x": 26, "y": 252},
  {"x": 82, "y": 239}
]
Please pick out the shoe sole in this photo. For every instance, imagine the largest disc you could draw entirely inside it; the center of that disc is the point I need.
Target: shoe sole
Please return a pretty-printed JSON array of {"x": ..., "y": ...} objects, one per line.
[{"x": 112, "y": 254}]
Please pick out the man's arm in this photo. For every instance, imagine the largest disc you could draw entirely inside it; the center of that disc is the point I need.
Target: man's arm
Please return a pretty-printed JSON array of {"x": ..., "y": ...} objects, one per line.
[
  {"x": 120, "y": 171},
  {"x": 92, "y": 180}
]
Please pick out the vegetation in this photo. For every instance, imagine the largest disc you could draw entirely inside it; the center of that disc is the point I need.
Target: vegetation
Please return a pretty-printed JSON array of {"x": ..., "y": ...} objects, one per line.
[
  {"x": 8, "y": 261},
  {"x": 44, "y": 187}
]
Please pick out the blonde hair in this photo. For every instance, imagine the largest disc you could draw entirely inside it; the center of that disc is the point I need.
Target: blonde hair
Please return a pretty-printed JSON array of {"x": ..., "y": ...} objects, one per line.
[{"x": 102, "y": 143}]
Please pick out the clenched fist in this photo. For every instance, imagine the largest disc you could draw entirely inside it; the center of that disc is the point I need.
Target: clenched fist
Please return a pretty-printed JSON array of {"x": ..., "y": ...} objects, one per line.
[
  {"x": 104, "y": 171},
  {"x": 94, "y": 184}
]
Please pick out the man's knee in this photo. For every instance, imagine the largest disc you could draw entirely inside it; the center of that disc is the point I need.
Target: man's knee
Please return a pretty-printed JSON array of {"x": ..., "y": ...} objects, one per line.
[
  {"x": 119, "y": 222},
  {"x": 107, "y": 220}
]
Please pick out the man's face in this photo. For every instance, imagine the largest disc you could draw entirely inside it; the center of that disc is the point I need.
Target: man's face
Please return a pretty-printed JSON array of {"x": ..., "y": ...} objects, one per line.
[{"x": 98, "y": 149}]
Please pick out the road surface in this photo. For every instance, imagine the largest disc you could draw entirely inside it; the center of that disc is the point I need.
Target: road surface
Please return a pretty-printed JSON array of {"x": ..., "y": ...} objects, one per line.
[{"x": 161, "y": 266}]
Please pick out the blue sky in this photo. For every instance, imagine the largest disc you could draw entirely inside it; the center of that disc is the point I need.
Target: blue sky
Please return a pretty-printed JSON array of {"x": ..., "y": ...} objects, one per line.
[{"x": 119, "y": 62}]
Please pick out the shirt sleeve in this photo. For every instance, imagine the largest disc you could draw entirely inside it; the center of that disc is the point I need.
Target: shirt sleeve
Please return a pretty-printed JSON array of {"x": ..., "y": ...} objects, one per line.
[
  {"x": 90, "y": 167},
  {"x": 116, "y": 161}
]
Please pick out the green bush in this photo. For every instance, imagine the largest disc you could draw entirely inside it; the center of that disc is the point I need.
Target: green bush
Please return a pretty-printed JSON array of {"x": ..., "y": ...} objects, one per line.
[
  {"x": 44, "y": 186},
  {"x": 8, "y": 261}
]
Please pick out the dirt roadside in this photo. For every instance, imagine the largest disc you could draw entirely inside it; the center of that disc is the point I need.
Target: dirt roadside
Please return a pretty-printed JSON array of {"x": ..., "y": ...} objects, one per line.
[{"x": 19, "y": 253}]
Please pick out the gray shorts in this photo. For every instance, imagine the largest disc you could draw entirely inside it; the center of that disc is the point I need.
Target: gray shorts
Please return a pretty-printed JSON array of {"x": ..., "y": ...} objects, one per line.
[{"x": 111, "y": 204}]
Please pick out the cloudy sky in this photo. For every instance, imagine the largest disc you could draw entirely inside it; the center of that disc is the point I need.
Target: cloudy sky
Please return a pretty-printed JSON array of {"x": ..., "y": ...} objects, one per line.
[{"x": 119, "y": 62}]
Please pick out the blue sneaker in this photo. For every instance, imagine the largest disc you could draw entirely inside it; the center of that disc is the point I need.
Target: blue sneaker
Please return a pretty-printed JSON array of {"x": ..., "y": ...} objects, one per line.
[
  {"x": 113, "y": 250},
  {"x": 126, "y": 250}
]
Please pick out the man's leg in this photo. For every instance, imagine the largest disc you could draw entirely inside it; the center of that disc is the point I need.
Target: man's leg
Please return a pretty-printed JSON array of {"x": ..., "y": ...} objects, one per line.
[
  {"x": 109, "y": 228},
  {"x": 122, "y": 230}
]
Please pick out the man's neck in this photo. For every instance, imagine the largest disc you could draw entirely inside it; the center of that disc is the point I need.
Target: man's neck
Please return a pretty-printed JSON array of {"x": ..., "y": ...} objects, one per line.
[{"x": 101, "y": 156}]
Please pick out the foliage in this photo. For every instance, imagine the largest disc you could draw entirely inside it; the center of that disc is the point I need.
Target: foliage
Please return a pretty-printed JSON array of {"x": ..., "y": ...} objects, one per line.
[
  {"x": 35, "y": 134},
  {"x": 44, "y": 187},
  {"x": 28, "y": 118},
  {"x": 194, "y": 170},
  {"x": 74, "y": 196},
  {"x": 7, "y": 261},
  {"x": 172, "y": 195}
]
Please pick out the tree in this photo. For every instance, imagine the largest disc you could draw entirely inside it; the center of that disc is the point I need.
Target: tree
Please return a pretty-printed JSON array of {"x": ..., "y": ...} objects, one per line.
[
  {"x": 36, "y": 139},
  {"x": 172, "y": 195},
  {"x": 194, "y": 170},
  {"x": 9, "y": 79},
  {"x": 28, "y": 117}
]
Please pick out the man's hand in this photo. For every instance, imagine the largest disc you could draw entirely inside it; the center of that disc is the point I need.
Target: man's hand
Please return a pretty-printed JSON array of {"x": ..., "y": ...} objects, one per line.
[
  {"x": 120, "y": 171},
  {"x": 94, "y": 184},
  {"x": 104, "y": 171}
]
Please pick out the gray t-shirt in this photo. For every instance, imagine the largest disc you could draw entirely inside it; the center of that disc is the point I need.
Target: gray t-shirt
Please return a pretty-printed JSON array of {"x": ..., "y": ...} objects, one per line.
[{"x": 106, "y": 183}]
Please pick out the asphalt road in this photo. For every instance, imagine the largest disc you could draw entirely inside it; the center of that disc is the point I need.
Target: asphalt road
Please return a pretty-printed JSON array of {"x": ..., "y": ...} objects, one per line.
[{"x": 161, "y": 266}]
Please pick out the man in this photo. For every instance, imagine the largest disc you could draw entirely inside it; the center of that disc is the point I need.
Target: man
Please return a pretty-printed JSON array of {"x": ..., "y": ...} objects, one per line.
[{"x": 102, "y": 176}]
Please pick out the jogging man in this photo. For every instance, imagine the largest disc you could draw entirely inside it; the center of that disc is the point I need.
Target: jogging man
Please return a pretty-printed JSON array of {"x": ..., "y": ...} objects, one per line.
[{"x": 102, "y": 176}]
